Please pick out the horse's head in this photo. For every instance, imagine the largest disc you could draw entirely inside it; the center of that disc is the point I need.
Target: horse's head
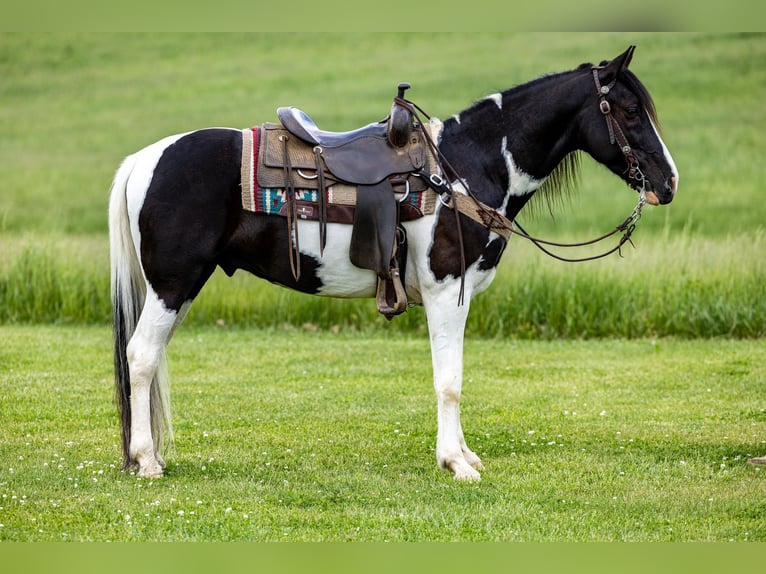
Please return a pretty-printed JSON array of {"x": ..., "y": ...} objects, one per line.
[{"x": 620, "y": 130}]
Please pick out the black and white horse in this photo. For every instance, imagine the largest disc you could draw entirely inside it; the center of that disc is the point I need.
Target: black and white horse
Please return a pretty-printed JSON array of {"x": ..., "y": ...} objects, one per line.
[{"x": 175, "y": 214}]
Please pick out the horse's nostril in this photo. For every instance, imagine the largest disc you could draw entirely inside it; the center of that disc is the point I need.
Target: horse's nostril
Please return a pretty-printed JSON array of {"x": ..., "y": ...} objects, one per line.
[{"x": 673, "y": 184}]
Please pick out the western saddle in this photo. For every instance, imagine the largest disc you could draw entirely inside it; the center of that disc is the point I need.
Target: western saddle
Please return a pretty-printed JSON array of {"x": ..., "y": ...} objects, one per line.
[{"x": 378, "y": 159}]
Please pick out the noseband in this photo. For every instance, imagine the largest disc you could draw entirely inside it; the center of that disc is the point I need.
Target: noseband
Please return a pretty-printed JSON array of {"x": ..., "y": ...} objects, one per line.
[{"x": 617, "y": 136}]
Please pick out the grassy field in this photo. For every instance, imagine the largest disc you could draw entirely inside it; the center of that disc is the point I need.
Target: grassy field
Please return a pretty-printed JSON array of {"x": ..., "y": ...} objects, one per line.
[
  {"x": 583, "y": 441},
  {"x": 72, "y": 105},
  {"x": 684, "y": 287}
]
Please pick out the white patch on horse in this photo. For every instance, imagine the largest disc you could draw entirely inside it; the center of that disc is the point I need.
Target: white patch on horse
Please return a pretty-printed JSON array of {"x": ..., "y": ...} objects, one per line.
[
  {"x": 146, "y": 355},
  {"x": 339, "y": 277},
  {"x": 497, "y": 99},
  {"x": 446, "y": 326},
  {"x": 668, "y": 157},
  {"x": 519, "y": 182}
]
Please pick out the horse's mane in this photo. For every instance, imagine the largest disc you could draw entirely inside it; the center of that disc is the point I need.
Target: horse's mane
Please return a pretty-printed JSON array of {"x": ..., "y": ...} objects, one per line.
[{"x": 558, "y": 187}]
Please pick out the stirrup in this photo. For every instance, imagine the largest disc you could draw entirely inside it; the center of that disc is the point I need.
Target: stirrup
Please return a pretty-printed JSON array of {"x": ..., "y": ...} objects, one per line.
[{"x": 391, "y": 297}]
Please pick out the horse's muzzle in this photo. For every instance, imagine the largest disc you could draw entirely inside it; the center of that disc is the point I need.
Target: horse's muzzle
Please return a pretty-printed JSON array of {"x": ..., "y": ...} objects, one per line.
[
  {"x": 651, "y": 198},
  {"x": 666, "y": 196}
]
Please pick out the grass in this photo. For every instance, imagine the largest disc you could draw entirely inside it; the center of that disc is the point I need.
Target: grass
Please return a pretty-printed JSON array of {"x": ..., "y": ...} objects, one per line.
[
  {"x": 73, "y": 105},
  {"x": 642, "y": 440},
  {"x": 680, "y": 287}
]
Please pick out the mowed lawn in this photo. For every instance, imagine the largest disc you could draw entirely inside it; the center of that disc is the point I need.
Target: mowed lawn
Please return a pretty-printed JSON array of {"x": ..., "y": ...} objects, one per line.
[{"x": 315, "y": 436}]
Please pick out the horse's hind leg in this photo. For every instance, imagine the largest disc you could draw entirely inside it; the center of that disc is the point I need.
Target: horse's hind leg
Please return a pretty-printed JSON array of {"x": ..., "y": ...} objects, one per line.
[{"x": 145, "y": 353}]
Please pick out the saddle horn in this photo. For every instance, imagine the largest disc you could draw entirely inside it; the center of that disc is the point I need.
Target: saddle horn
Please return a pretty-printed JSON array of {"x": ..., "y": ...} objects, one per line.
[{"x": 400, "y": 120}]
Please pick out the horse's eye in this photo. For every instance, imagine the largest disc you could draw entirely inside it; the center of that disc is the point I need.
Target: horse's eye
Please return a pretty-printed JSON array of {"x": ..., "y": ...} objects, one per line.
[{"x": 631, "y": 111}]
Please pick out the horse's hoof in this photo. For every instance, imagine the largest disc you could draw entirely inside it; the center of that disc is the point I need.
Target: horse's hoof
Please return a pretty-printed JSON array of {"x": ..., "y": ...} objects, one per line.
[
  {"x": 152, "y": 475},
  {"x": 757, "y": 460},
  {"x": 151, "y": 471},
  {"x": 473, "y": 460},
  {"x": 466, "y": 473}
]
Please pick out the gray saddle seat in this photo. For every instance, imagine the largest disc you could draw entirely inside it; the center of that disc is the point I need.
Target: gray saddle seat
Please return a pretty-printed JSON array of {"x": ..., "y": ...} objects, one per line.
[
  {"x": 363, "y": 156},
  {"x": 298, "y": 123}
]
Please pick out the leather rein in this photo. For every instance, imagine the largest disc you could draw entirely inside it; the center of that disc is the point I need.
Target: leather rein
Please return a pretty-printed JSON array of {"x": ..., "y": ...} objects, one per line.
[{"x": 495, "y": 221}]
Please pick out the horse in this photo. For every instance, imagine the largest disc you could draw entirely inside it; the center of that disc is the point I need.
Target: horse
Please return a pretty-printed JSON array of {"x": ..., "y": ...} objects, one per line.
[{"x": 175, "y": 215}]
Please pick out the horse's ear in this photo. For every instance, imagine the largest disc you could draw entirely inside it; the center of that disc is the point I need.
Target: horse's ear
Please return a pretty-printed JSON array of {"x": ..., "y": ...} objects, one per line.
[
  {"x": 625, "y": 58},
  {"x": 611, "y": 70}
]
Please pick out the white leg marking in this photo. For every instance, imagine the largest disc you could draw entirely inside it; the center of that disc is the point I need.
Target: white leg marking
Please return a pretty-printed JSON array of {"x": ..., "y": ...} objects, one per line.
[
  {"x": 144, "y": 352},
  {"x": 446, "y": 325}
]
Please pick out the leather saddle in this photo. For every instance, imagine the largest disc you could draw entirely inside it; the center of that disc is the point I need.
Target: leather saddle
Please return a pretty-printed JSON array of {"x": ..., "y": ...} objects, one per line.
[{"x": 374, "y": 159}]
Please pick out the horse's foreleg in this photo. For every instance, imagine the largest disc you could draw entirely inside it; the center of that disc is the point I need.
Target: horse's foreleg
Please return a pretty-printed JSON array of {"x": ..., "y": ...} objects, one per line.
[
  {"x": 145, "y": 353},
  {"x": 446, "y": 325}
]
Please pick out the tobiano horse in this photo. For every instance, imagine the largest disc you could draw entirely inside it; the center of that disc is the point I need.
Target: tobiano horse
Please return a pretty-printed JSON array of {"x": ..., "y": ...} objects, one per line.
[{"x": 176, "y": 213}]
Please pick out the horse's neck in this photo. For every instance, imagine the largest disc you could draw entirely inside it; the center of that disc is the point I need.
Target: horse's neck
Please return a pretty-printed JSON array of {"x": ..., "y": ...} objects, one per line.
[{"x": 507, "y": 144}]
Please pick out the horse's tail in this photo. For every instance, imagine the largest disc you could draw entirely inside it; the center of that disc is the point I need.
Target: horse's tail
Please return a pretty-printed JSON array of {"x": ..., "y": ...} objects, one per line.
[{"x": 128, "y": 293}]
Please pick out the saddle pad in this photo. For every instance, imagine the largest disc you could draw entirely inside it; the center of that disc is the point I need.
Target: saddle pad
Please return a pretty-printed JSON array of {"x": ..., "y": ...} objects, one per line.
[{"x": 272, "y": 200}]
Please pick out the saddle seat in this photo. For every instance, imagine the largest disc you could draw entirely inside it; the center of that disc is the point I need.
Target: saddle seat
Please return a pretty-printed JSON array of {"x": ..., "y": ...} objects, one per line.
[
  {"x": 363, "y": 156},
  {"x": 298, "y": 123}
]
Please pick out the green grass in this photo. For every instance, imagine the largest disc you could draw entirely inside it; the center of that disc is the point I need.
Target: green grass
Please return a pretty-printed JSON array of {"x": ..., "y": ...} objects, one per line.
[
  {"x": 681, "y": 287},
  {"x": 73, "y": 105},
  {"x": 299, "y": 436}
]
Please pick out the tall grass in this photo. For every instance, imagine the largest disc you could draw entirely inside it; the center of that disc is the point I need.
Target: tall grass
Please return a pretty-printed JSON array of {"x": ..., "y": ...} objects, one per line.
[
  {"x": 63, "y": 282},
  {"x": 683, "y": 287}
]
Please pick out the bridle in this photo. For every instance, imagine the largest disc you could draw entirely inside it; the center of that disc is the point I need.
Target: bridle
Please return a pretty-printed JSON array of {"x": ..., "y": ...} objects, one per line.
[
  {"x": 616, "y": 135},
  {"x": 634, "y": 173}
]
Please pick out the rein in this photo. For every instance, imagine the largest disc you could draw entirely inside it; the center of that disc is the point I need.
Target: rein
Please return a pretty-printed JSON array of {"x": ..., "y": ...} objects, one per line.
[{"x": 626, "y": 227}]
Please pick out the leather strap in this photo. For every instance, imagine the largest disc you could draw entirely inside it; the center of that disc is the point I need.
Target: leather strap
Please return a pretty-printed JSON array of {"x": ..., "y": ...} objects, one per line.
[
  {"x": 293, "y": 247},
  {"x": 322, "y": 200},
  {"x": 481, "y": 213}
]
